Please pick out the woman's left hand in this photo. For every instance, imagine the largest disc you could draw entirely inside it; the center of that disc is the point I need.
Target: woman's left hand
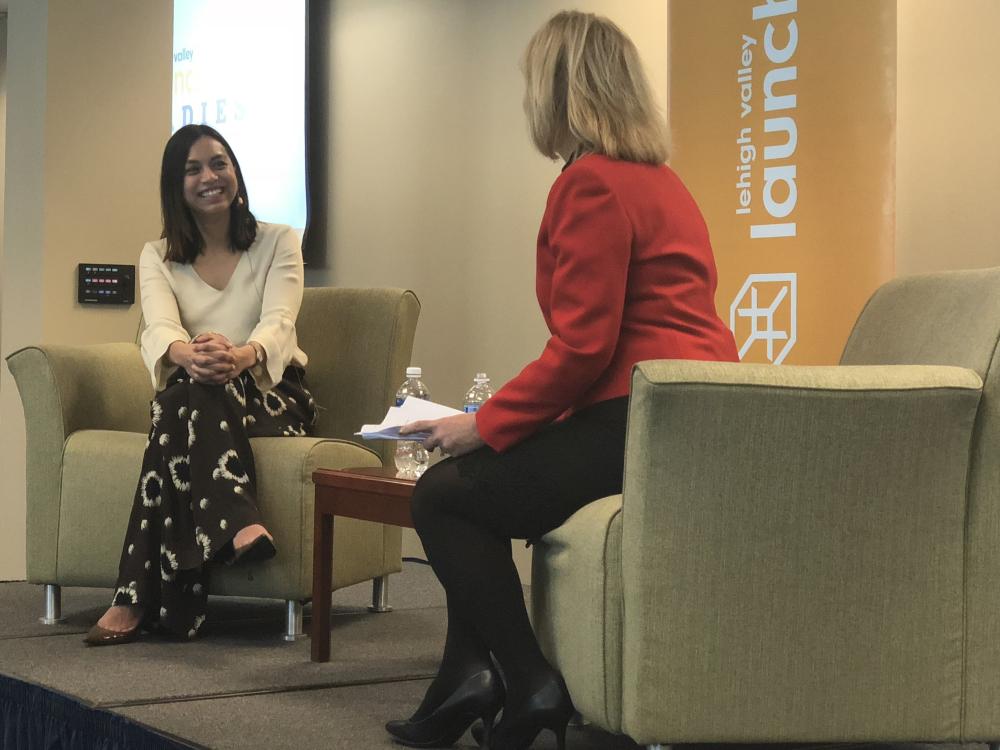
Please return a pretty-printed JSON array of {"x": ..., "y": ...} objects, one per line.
[{"x": 454, "y": 435}]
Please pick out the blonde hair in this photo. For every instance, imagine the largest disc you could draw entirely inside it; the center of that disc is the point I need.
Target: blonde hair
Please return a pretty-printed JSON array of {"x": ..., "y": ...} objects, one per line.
[{"x": 586, "y": 91}]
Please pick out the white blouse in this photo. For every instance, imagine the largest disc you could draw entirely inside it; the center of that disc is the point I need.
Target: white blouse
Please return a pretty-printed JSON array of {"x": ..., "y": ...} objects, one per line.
[{"x": 260, "y": 303}]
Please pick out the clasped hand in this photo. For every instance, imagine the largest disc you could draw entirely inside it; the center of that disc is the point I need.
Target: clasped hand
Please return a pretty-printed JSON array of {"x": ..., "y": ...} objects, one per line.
[
  {"x": 212, "y": 360},
  {"x": 454, "y": 435}
]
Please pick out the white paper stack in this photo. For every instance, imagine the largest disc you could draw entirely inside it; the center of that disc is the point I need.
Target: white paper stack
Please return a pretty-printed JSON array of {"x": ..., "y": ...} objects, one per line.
[{"x": 412, "y": 410}]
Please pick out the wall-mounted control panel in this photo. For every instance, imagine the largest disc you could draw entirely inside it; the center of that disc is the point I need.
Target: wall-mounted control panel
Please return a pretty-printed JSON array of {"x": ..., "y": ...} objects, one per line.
[{"x": 105, "y": 284}]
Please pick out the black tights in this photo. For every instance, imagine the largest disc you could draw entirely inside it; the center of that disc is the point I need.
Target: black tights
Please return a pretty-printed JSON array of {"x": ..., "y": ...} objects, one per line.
[{"x": 467, "y": 509}]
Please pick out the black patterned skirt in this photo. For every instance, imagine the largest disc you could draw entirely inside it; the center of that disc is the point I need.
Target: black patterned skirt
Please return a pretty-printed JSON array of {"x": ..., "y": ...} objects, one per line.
[{"x": 198, "y": 488}]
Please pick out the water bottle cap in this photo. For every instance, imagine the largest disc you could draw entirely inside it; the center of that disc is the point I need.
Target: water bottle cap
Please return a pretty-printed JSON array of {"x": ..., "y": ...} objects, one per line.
[
  {"x": 481, "y": 377},
  {"x": 414, "y": 372}
]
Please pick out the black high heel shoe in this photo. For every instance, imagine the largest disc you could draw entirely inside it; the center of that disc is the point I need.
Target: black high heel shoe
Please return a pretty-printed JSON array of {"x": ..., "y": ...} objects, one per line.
[
  {"x": 480, "y": 696},
  {"x": 260, "y": 549},
  {"x": 549, "y": 708}
]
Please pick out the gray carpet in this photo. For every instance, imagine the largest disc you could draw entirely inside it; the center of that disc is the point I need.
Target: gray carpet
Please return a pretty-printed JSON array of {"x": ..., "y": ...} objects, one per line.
[{"x": 365, "y": 648}]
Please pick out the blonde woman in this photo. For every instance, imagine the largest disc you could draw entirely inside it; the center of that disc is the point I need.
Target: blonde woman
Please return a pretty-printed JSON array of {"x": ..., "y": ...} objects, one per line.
[{"x": 625, "y": 273}]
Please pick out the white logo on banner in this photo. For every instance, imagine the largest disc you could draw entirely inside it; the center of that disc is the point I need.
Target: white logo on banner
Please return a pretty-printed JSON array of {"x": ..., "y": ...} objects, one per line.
[{"x": 780, "y": 289}]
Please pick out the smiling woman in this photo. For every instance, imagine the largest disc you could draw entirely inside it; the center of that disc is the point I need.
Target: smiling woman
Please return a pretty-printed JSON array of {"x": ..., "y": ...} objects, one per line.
[
  {"x": 203, "y": 196},
  {"x": 220, "y": 294},
  {"x": 210, "y": 182}
]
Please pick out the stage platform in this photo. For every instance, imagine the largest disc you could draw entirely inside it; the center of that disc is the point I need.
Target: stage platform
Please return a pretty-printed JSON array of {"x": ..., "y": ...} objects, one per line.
[{"x": 239, "y": 685}]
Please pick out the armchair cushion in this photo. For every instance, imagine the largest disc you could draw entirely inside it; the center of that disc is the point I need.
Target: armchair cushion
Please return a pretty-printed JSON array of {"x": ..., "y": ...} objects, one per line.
[
  {"x": 576, "y": 597},
  {"x": 954, "y": 318},
  {"x": 65, "y": 389},
  {"x": 100, "y": 471},
  {"x": 793, "y": 552},
  {"x": 359, "y": 343},
  {"x": 285, "y": 497},
  {"x": 790, "y": 563}
]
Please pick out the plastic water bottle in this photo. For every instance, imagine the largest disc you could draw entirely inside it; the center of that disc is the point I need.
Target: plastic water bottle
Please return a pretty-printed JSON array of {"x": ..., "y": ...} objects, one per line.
[
  {"x": 480, "y": 391},
  {"x": 411, "y": 457}
]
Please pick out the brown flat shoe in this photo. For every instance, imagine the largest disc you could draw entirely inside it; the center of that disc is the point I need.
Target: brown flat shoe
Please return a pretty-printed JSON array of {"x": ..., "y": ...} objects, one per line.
[{"x": 98, "y": 636}]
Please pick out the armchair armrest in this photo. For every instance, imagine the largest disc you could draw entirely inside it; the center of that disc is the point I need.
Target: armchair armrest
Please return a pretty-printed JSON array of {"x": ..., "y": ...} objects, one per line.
[
  {"x": 64, "y": 389},
  {"x": 92, "y": 387},
  {"x": 789, "y": 532}
]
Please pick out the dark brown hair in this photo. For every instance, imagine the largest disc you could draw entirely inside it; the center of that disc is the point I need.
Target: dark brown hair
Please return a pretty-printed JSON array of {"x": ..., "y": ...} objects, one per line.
[{"x": 184, "y": 240}]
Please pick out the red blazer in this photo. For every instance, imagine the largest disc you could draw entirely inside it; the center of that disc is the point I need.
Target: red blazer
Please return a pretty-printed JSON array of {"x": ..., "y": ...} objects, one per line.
[{"x": 625, "y": 273}]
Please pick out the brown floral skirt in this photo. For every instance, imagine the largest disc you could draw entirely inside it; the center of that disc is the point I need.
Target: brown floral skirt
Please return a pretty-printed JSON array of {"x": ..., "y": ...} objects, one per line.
[{"x": 197, "y": 489}]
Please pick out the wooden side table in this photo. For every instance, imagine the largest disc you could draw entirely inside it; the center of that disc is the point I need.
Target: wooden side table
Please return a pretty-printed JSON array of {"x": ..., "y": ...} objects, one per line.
[{"x": 367, "y": 494}]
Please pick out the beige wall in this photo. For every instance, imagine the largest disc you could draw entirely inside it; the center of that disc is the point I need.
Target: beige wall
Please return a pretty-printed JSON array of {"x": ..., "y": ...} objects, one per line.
[
  {"x": 92, "y": 86},
  {"x": 434, "y": 183},
  {"x": 106, "y": 125},
  {"x": 948, "y": 152}
]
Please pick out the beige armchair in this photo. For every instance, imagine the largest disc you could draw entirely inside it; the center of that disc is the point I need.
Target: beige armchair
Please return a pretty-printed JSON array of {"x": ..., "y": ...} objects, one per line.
[
  {"x": 800, "y": 554},
  {"x": 87, "y": 414}
]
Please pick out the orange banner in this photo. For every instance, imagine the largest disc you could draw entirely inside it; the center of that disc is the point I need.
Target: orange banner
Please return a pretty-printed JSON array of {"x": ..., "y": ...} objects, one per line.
[{"x": 784, "y": 116}]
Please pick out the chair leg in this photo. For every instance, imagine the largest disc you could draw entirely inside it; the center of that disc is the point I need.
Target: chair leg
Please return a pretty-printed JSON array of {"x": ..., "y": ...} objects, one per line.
[
  {"x": 380, "y": 595},
  {"x": 293, "y": 621},
  {"x": 53, "y": 605}
]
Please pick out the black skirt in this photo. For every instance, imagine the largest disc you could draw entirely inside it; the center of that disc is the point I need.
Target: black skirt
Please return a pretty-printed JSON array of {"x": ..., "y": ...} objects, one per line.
[{"x": 198, "y": 488}]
